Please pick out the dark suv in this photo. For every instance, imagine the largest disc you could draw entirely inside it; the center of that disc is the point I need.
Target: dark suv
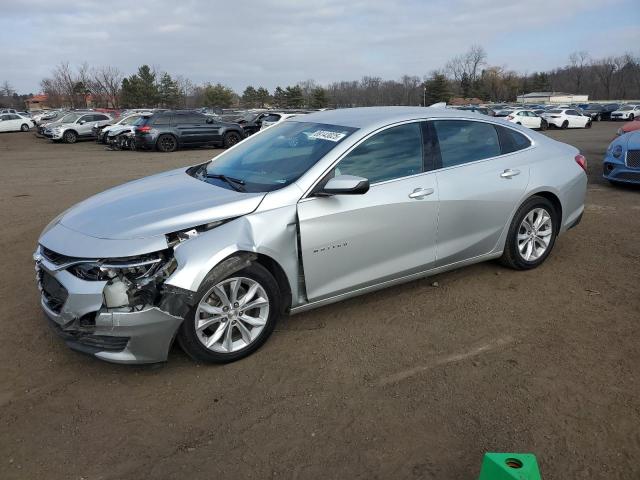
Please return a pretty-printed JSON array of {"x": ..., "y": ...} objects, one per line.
[
  {"x": 599, "y": 112},
  {"x": 170, "y": 130}
]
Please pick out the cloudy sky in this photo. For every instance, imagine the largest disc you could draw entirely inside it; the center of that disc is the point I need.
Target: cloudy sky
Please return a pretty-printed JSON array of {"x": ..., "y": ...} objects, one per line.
[{"x": 281, "y": 42}]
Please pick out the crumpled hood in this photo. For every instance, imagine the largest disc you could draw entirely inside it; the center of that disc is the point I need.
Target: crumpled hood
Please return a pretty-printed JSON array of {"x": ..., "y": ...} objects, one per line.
[{"x": 157, "y": 205}]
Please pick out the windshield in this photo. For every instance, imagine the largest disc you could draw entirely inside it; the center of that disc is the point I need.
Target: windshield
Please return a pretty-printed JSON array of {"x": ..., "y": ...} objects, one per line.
[
  {"x": 593, "y": 107},
  {"x": 276, "y": 157},
  {"x": 627, "y": 107},
  {"x": 69, "y": 118}
]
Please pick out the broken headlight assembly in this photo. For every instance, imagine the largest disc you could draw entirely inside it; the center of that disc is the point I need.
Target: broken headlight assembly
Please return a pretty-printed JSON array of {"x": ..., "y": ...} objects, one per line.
[{"x": 132, "y": 282}]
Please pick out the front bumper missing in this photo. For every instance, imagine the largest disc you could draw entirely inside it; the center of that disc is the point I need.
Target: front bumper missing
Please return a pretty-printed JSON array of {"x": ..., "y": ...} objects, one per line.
[{"x": 119, "y": 336}]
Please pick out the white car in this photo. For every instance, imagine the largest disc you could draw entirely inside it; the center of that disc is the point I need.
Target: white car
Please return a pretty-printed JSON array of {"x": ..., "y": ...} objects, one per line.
[
  {"x": 567, "y": 118},
  {"x": 626, "y": 112},
  {"x": 12, "y": 122},
  {"x": 118, "y": 127},
  {"x": 527, "y": 118},
  {"x": 274, "y": 118}
]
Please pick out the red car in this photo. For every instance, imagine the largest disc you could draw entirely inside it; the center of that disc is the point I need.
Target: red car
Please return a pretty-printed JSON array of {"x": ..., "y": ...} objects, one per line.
[{"x": 629, "y": 127}]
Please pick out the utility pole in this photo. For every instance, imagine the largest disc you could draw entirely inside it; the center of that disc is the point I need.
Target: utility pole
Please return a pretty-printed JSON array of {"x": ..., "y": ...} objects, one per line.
[{"x": 424, "y": 95}]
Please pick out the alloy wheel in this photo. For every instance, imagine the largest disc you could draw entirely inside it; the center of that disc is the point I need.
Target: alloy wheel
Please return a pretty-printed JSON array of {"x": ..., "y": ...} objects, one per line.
[
  {"x": 534, "y": 234},
  {"x": 231, "y": 315}
]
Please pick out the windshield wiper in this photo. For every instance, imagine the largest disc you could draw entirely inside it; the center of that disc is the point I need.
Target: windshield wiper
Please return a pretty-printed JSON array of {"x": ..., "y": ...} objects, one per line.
[{"x": 235, "y": 183}]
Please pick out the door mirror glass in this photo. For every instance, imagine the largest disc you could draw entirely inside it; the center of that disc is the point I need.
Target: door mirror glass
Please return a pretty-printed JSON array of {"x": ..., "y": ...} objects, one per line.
[{"x": 345, "y": 185}]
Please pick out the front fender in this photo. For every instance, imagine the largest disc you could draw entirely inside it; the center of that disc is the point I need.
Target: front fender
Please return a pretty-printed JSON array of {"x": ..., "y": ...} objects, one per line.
[{"x": 272, "y": 234}]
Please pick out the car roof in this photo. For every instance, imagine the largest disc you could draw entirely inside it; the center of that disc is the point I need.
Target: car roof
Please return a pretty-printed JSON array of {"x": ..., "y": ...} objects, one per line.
[{"x": 369, "y": 117}]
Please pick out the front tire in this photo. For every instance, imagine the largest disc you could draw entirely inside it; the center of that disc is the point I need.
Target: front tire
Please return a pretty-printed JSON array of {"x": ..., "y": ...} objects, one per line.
[
  {"x": 543, "y": 125},
  {"x": 588, "y": 125},
  {"x": 24, "y": 127},
  {"x": 233, "y": 316},
  {"x": 532, "y": 234},
  {"x": 631, "y": 117},
  {"x": 70, "y": 137},
  {"x": 565, "y": 125}
]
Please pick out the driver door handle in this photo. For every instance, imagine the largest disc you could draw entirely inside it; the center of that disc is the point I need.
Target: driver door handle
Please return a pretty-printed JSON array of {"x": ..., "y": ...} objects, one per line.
[
  {"x": 420, "y": 193},
  {"x": 508, "y": 173}
]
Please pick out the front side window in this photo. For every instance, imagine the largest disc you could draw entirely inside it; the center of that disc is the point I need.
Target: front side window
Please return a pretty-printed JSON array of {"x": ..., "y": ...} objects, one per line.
[
  {"x": 393, "y": 153},
  {"x": 464, "y": 141},
  {"x": 275, "y": 157}
]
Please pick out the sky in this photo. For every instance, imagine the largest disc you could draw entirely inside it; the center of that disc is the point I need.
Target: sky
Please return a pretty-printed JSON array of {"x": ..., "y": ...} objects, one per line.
[{"x": 281, "y": 42}]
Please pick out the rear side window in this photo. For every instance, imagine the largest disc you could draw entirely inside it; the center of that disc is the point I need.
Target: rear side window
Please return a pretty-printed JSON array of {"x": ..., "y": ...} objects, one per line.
[
  {"x": 510, "y": 140},
  {"x": 162, "y": 120},
  {"x": 464, "y": 141},
  {"x": 271, "y": 118},
  {"x": 393, "y": 153},
  {"x": 572, "y": 112},
  {"x": 100, "y": 117}
]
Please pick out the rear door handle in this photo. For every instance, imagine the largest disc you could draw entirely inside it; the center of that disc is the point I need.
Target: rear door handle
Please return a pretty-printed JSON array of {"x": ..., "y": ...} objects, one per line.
[
  {"x": 508, "y": 173},
  {"x": 419, "y": 193}
]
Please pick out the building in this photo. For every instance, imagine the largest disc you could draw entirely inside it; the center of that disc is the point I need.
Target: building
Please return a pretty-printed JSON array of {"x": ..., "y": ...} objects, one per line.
[
  {"x": 552, "y": 97},
  {"x": 37, "y": 102}
]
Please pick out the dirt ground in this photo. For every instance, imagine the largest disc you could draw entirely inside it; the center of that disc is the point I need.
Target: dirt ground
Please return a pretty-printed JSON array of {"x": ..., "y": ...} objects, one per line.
[{"x": 416, "y": 381}]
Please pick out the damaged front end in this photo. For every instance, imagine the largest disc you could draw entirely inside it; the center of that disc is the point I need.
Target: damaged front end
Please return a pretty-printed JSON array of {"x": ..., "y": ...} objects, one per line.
[{"x": 117, "y": 309}]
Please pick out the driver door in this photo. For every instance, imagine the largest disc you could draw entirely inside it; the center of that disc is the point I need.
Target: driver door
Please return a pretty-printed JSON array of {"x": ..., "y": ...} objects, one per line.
[{"x": 354, "y": 241}]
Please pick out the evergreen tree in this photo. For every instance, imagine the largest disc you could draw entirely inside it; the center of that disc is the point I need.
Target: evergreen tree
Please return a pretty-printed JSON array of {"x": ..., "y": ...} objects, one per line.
[
  {"x": 169, "y": 92},
  {"x": 294, "y": 97},
  {"x": 262, "y": 97},
  {"x": 218, "y": 95},
  {"x": 140, "y": 90},
  {"x": 319, "y": 98},
  {"x": 465, "y": 85},
  {"x": 250, "y": 97},
  {"x": 437, "y": 89},
  {"x": 279, "y": 98}
]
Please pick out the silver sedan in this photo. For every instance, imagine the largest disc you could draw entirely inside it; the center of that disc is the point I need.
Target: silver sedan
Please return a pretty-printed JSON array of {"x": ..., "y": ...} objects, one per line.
[{"x": 316, "y": 209}]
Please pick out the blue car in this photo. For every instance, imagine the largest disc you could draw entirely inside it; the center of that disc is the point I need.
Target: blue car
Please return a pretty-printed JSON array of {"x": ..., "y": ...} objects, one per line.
[{"x": 622, "y": 160}]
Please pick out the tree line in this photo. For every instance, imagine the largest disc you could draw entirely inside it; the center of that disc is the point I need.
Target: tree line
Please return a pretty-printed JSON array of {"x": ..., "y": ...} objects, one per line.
[{"x": 468, "y": 76}]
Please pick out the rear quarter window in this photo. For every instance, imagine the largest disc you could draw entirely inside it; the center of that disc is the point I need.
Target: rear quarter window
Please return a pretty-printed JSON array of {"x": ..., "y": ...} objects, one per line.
[
  {"x": 510, "y": 140},
  {"x": 162, "y": 120}
]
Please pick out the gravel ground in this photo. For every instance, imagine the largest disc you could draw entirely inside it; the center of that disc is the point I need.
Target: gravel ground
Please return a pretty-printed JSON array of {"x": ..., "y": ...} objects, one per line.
[{"x": 416, "y": 381}]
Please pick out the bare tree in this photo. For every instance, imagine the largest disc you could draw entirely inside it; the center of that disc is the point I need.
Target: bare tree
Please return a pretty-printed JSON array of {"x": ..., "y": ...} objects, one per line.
[
  {"x": 106, "y": 82},
  {"x": 604, "y": 70},
  {"x": 6, "y": 89},
  {"x": 578, "y": 62}
]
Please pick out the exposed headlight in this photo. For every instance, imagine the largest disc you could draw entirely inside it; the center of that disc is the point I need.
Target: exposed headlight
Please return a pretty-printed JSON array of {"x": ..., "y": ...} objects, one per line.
[
  {"x": 133, "y": 268},
  {"x": 617, "y": 151}
]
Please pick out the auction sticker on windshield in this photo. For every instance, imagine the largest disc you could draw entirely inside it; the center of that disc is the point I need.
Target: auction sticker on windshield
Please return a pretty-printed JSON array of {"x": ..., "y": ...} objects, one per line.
[{"x": 328, "y": 135}]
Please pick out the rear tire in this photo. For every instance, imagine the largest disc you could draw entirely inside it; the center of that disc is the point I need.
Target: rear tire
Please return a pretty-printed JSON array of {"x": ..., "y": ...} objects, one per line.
[
  {"x": 192, "y": 340},
  {"x": 24, "y": 127},
  {"x": 230, "y": 139},
  {"x": 543, "y": 125},
  {"x": 523, "y": 231},
  {"x": 70, "y": 137},
  {"x": 598, "y": 118},
  {"x": 166, "y": 143}
]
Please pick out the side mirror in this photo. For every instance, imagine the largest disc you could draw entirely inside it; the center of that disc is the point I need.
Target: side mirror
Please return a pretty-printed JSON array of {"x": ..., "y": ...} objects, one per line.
[
  {"x": 345, "y": 185},
  {"x": 82, "y": 122}
]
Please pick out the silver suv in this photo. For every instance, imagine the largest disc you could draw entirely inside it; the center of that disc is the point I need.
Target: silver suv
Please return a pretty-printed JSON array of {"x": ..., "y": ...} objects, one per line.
[
  {"x": 79, "y": 125},
  {"x": 312, "y": 210}
]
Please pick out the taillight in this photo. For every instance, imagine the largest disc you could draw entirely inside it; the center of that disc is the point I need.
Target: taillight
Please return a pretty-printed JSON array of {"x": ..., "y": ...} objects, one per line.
[
  {"x": 144, "y": 129},
  {"x": 582, "y": 161}
]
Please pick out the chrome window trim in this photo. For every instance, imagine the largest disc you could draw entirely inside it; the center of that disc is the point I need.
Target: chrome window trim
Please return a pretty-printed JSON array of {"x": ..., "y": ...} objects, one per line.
[{"x": 307, "y": 193}]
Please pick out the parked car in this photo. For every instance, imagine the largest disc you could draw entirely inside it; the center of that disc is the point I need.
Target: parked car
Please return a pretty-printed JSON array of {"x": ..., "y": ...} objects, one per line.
[
  {"x": 8, "y": 110},
  {"x": 528, "y": 119},
  {"x": 621, "y": 163},
  {"x": 275, "y": 117},
  {"x": 170, "y": 130},
  {"x": 81, "y": 126},
  {"x": 364, "y": 197},
  {"x": 567, "y": 118},
  {"x": 12, "y": 122},
  {"x": 100, "y": 132},
  {"x": 251, "y": 122},
  {"x": 598, "y": 112},
  {"x": 631, "y": 126},
  {"x": 626, "y": 112},
  {"x": 49, "y": 116}
]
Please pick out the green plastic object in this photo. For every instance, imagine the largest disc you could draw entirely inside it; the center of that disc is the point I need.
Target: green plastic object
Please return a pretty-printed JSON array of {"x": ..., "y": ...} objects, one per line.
[{"x": 509, "y": 466}]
